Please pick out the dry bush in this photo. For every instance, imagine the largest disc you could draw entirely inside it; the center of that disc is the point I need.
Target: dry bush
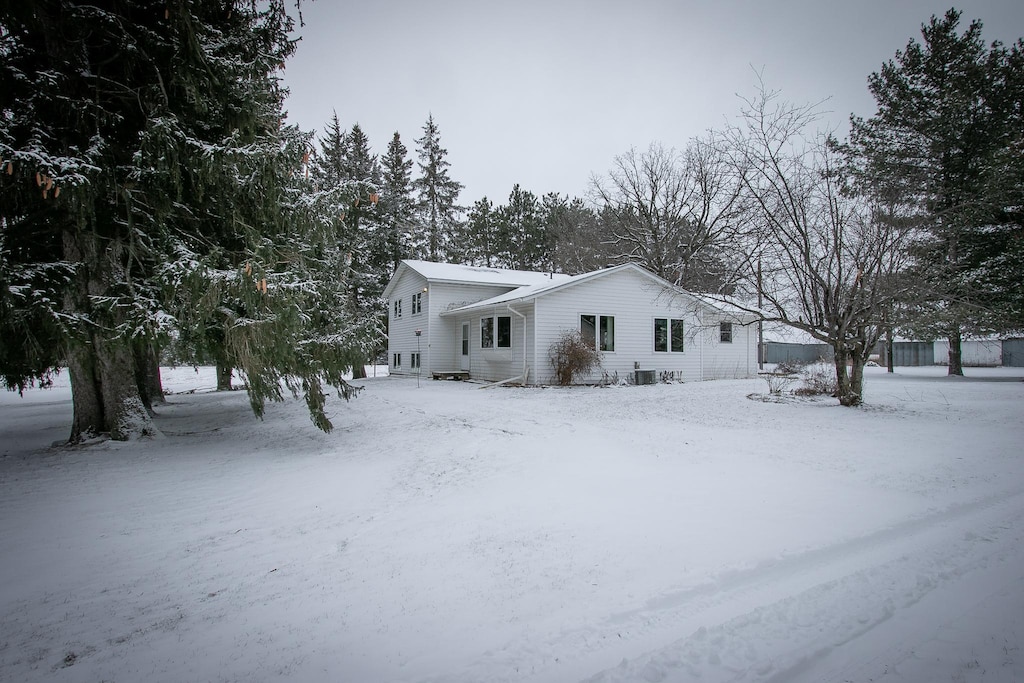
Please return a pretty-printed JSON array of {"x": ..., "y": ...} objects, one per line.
[
  {"x": 572, "y": 357},
  {"x": 819, "y": 379}
]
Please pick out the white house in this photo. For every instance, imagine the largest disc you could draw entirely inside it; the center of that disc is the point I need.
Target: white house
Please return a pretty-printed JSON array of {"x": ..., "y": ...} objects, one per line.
[{"x": 498, "y": 325}]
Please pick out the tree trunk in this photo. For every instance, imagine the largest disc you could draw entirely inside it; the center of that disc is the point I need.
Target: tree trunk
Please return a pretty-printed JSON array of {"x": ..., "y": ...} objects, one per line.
[
  {"x": 88, "y": 419},
  {"x": 889, "y": 367},
  {"x": 104, "y": 390},
  {"x": 126, "y": 416},
  {"x": 359, "y": 369},
  {"x": 224, "y": 371},
  {"x": 856, "y": 396},
  {"x": 956, "y": 366},
  {"x": 147, "y": 373},
  {"x": 842, "y": 357},
  {"x": 849, "y": 376}
]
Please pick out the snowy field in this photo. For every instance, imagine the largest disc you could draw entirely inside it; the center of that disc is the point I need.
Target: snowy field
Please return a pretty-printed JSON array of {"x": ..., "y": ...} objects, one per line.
[{"x": 450, "y": 533}]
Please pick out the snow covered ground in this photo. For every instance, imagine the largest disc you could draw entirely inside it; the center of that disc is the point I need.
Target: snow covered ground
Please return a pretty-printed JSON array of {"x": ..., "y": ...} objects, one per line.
[{"x": 450, "y": 533}]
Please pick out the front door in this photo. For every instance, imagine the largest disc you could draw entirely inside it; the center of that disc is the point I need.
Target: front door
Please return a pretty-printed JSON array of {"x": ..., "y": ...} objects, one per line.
[{"x": 464, "y": 348}]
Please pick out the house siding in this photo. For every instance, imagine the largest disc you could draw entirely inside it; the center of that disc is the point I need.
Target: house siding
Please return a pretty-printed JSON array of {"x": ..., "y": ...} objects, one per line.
[
  {"x": 438, "y": 346},
  {"x": 635, "y": 301},
  {"x": 402, "y": 331},
  {"x": 446, "y": 341},
  {"x": 724, "y": 360},
  {"x": 630, "y": 295},
  {"x": 494, "y": 365}
]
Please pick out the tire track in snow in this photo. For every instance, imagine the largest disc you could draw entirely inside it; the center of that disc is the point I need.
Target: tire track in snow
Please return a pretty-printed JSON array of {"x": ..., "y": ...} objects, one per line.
[
  {"x": 856, "y": 586},
  {"x": 757, "y": 623}
]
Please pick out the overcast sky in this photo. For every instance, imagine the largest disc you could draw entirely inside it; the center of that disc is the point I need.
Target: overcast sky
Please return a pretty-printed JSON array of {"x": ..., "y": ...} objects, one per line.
[{"x": 547, "y": 93}]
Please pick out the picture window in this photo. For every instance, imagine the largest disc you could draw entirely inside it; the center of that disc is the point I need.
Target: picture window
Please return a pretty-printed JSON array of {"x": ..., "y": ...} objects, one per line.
[
  {"x": 496, "y": 332},
  {"x": 669, "y": 335},
  {"x": 598, "y": 331}
]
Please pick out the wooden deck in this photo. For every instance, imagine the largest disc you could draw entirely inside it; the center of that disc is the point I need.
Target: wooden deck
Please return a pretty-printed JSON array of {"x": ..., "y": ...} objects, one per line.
[{"x": 457, "y": 375}]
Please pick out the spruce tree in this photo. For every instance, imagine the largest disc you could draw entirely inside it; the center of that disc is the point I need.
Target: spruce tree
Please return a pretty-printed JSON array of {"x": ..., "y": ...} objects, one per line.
[
  {"x": 941, "y": 147},
  {"x": 143, "y": 155},
  {"x": 329, "y": 167},
  {"x": 479, "y": 241},
  {"x": 397, "y": 210},
  {"x": 578, "y": 241},
  {"x": 523, "y": 241},
  {"x": 437, "y": 196}
]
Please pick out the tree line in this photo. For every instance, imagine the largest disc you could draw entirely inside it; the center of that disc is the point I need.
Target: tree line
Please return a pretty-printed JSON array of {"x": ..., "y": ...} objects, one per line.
[{"x": 153, "y": 201}]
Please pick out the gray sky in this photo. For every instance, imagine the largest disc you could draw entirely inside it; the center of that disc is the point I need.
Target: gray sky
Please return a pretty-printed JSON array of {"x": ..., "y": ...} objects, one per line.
[{"x": 545, "y": 94}]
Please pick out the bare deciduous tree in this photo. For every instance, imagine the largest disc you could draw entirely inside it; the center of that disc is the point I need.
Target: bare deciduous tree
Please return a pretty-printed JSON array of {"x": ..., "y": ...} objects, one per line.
[
  {"x": 831, "y": 260},
  {"x": 673, "y": 212}
]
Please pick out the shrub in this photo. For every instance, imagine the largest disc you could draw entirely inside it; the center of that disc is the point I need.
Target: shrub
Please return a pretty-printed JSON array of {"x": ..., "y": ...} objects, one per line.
[
  {"x": 572, "y": 357},
  {"x": 778, "y": 382},
  {"x": 818, "y": 379}
]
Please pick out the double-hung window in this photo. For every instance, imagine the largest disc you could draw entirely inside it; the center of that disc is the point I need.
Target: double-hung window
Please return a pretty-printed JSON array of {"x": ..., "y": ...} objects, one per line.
[
  {"x": 396, "y": 360},
  {"x": 414, "y": 360},
  {"x": 417, "y": 303},
  {"x": 725, "y": 333},
  {"x": 398, "y": 308},
  {"x": 496, "y": 332},
  {"x": 668, "y": 335},
  {"x": 598, "y": 331}
]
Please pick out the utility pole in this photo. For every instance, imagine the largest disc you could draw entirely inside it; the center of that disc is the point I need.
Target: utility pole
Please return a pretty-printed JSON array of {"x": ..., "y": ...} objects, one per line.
[{"x": 760, "y": 323}]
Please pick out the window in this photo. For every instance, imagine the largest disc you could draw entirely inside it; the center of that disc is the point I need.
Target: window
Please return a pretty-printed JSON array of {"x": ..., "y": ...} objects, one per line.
[
  {"x": 396, "y": 360},
  {"x": 599, "y": 331},
  {"x": 486, "y": 333},
  {"x": 496, "y": 332},
  {"x": 398, "y": 308},
  {"x": 668, "y": 334},
  {"x": 465, "y": 339},
  {"x": 504, "y": 331},
  {"x": 414, "y": 360},
  {"x": 417, "y": 303},
  {"x": 725, "y": 333}
]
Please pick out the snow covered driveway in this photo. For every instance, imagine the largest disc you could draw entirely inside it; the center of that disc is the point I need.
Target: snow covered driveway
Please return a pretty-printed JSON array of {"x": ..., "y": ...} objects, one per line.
[{"x": 448, "y": 533}]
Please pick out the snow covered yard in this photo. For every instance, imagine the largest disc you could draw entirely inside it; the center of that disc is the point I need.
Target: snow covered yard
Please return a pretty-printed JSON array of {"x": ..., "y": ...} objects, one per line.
[{"x": 448, "y": 533}]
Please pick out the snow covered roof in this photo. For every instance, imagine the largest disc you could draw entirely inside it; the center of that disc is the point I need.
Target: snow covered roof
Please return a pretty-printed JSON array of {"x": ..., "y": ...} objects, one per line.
[
  {"x": 536, "y": 290},
  {"x": 456, "y": 273},
  {"x": 784, "y": 334},
  {"x": 530, "y": 291}
]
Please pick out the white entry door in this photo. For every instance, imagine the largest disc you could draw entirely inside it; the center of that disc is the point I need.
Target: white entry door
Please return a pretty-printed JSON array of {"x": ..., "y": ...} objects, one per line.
[{"x": 464, "y": 348}]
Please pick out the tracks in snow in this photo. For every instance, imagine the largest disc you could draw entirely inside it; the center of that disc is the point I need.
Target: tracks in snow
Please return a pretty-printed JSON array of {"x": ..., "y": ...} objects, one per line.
[{"x": 772, "y": 622}]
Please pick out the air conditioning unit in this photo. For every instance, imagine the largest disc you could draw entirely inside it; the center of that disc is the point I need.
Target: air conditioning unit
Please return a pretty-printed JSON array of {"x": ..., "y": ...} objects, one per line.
[{"x": 644, "y": 376}]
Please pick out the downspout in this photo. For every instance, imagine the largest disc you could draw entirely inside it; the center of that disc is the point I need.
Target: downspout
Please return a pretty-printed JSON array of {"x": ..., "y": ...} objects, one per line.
[
  {"x": 499, "y": 383},
  {"x": 523, "y": 316},
  {"x": 703, "y": 343}
]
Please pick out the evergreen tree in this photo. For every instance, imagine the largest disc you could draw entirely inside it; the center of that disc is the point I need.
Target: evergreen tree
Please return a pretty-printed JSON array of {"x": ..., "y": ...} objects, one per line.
[
  {"x": 145, "y": 160},
  {"x": 330, "y": 166},
  {"x": 437, "y": 195},
  {"x": 522, "y": 237},
  {"x": 941, "y": 146},
  {"x": 349, "y": 175},
  {"x": 396, "y": 209},
  {"x": 479, "y": 239},
  {"x": 579, "y": 241}
]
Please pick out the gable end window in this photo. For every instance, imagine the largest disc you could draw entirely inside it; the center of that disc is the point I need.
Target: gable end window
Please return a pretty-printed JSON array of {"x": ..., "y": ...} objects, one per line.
[
  {"x": 417, "y": 303},
  {"x": 598, "y": 331},
  {"x": 398, "y": 308},
  {"x": 725, "y": 333},
  {"x": 496, "y": 332},
  {"x": 668, "y": 335}
]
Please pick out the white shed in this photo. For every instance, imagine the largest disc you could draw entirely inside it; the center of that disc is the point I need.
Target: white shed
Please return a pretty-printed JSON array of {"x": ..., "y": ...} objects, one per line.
[{"x": 497, "y": 324}]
